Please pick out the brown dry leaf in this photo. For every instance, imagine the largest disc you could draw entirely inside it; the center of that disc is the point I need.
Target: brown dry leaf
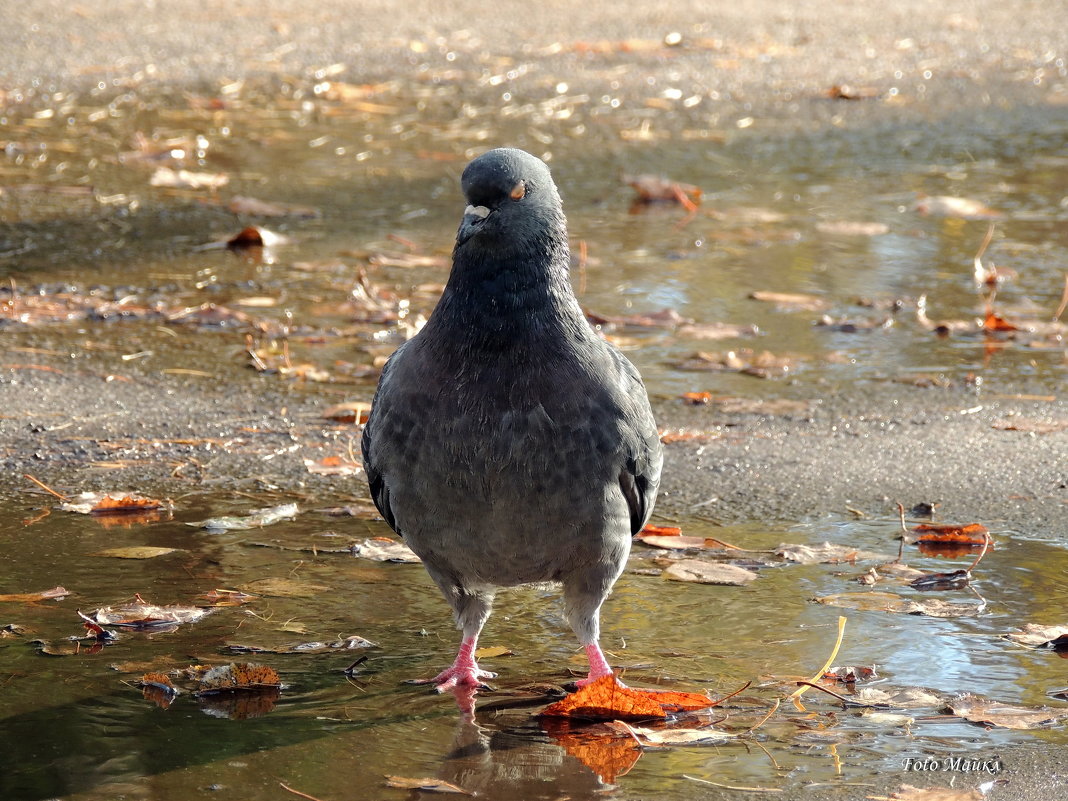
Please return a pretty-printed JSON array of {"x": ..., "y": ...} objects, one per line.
[
  {"x": 493, "y": 651},
  {"x": 972, "y": 534},
  {"x": 658, "y": 189},
  {"x": 891, "y": 602},
  {"x": 1036, "y": 636},
  {"x": 600, "y": 748},
  {"x": 383, "y": 549},
  {"x": 993, "y": 322},
  {"x": 1030, "y": 425},
  {"x": 209, "y": 315},
  {"x": 332, "y": 466},
  {"x": 946, "y": 206},
  {"x": 907, "y": 792},
  {"x": 847, "y": 92},
  {"x": 686, "y": 435},
  {"x": 186, "y": 179},
  {"x": 850, "y": 674},
  {"x": 697, "y": 398},
  {"x": 350, "y": 643},
  {"x": 700, "y": 571},
  {"x": 606, "y": 699},
  {"x": 240, "y": 204},
  {"x": 665, "y": 318},
  {"x": 899, "y": 697},
  {"x": 825, "y": 553},
  {"x": 158, "y": 688},
  {"x": 239, "y": 676},
  {"x": 136, "y": 552},
  {"x": 352, "y": 412},
  {"x": 254, "y": 236},
  {"x": 792, "y": 301},
  {"x": 743, "y": 360},
  {"x": 672, "y": 541},
  {"x": 991, "y": 713},
  {"x": 113, "y": 503},
  {"x": 667, "y": 738},
  {"x": 54, "y": 594},
  {"x": 716, "y": 331},
  {"x": 426, "y": 785},
  {"x": 142, "y": 615}
]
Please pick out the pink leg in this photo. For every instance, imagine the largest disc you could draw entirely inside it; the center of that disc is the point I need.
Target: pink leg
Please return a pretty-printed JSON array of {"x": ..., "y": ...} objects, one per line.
[
  {"x": 464, "y": 670},
  {"x": 598, "y": 665}
]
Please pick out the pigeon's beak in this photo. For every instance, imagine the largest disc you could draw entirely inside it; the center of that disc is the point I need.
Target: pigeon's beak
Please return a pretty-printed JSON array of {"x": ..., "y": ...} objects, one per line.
[{"x": 474, "y": 219}]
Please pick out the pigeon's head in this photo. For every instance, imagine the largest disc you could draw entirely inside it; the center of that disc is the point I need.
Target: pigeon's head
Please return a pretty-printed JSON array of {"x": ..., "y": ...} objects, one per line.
[{"x": 511, "y": 197}]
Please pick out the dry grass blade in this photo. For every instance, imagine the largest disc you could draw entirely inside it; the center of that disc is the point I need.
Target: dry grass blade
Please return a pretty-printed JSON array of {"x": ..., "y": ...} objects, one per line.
[
  {"x": 1064, "y": 301},
  {"x": 830, "y": 660},
  {"x": 289, "y": 789},
  {"x": 45, "y": 487},
  {"x": 982, "y": 553},
  {"x": 734, "y": 786}
]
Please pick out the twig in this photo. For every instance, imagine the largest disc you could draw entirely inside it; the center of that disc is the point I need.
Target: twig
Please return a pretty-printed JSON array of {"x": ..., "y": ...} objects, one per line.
[
  {"x": 982, "y": 553},
  {"x": 767, "y": 717},
  {"x": 904, "y": 532},
  {"x": 287, "y": 788},
  {"x": 982, "y": 275},
  {"x": 842, "y": 698},
  {"x": 45, "y": 487},
  {"x": 830, "y": 660},
  {"x": 734, "y": 786},
  {"x": 1064, "y": 301}
]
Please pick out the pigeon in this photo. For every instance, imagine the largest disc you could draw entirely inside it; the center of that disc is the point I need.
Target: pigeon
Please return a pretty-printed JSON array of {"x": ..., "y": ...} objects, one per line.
[{"x": 508, "y": 443}]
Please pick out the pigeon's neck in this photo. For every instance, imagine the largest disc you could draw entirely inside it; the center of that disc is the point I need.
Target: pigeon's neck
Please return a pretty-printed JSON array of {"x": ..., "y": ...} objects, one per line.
[{"x": 511, "y": 300}]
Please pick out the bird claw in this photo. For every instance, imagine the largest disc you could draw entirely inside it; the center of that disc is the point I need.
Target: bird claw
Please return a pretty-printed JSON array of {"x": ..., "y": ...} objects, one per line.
[{"x": 459, "y": 676}]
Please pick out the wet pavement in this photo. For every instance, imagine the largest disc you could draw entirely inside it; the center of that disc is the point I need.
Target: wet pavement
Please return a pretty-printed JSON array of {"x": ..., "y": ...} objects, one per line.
[{"x": 141, "y": 353}]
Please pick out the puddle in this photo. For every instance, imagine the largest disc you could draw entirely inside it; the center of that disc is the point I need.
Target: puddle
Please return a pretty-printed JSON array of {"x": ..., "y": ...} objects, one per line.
[{"x": 327, "y": 733}]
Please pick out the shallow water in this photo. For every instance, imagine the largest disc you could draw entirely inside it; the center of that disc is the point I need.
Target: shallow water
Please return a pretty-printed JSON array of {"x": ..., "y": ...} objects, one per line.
[{"x": 76, "y": 726}]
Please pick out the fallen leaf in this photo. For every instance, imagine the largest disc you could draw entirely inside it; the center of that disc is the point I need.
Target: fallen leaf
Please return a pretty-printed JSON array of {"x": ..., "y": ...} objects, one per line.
[
  {"x": 743, "y": 360},
  {"x": 671, "y": 541},
  {"x": 350, "y": 643},
  {"x": 352, "y": 412},
  {"x": 793, "y": 301},
  {"x": 426, "y": 785},
  {"x": 825, "y": 553},
  {"x": 1029, "y": 425},
  {"x": 847, "y": 228},
  {"x": 383, "y": 549},
  {"x": 666, "y": 738},
  {"x": 136, "y": 552},
  {"x": 953, "y": 580},
  {"x": 1036, "y": 636},
  {"x": 186, "y": 179},
  {"x": 158, "y": 688},
  {"x": 54, "y": 594},
  {"x": 899, "y": 697},
  {"x": 850, "y": 674},
  {"x": 493, "y": 651},
  {"x": 332, "y": 466},
  {"x": 970, "y": 534},
  {"x": 701, "y": 571},
  {"x": 605, "y": 699},
  {"x": 660, "y": 531},
  {"x": 716, "y": 331},
  {"x": 256, "y": 519},
  {"x": 254, "y": 236},
  {"x": 991, "y": 713},
  {"x": 657, "y": 189},
  {"x": 946, "y": 206},
  {"x": 847, "y": 92},
  {"x": 993, "y": 322},
  {"x": 113, "y": 503},
  {"x": 238, "y": 676},
  {"x": 227, "y": 597},
  {"x": 891, "y": 602},
  {"x": 142, "y": 615}
]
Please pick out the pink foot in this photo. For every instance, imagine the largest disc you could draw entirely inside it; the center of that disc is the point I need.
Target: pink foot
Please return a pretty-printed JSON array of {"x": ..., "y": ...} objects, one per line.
[
  {"x": 463, "y": 673},
  {"x": 598, "y": 665}
]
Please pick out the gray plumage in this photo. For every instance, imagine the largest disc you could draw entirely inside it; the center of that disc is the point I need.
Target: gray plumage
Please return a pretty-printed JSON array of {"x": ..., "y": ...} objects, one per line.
[{"x": 507, "y": 442}]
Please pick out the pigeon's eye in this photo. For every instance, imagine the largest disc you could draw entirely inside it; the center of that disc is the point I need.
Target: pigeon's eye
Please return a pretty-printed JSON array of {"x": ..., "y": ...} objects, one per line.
[{"x": 518, "y": 191}]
